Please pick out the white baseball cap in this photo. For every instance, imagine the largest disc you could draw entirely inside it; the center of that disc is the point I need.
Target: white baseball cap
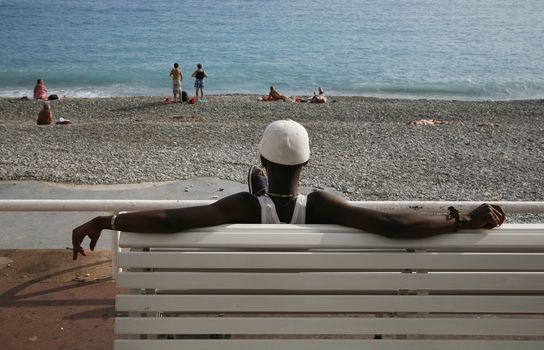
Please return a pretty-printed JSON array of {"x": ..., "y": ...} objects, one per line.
[{"x": 285, "y": 142}]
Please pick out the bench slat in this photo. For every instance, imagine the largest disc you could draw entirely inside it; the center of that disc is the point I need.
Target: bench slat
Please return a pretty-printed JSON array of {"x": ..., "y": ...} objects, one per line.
[
  {"x": 333, "y": 261},
  {"x": 329, "y": 325},
  {"x": 325, "y": 228},
  {"x": 513, "y": 237},
  {"x": 327, "y": 344},
  {"x": 331, "y": 281},
  {"x": 331, "y": 303}
]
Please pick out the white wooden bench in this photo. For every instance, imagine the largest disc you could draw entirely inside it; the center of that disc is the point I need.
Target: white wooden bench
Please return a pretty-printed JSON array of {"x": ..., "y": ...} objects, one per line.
[{"x": 283, "y": 287}]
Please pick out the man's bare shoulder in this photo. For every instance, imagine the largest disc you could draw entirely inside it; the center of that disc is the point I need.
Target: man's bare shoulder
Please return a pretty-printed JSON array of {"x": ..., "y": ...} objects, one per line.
[
  {"x": 318, "y": 197},
  {"x": 241, "y": 206},
  {"x": 323, "y": 207}
]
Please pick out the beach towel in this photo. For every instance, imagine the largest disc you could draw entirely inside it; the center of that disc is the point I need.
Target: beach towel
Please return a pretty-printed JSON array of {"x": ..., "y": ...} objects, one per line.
[
  {"x": 62, "y": 121},
  {"x": 429, "y": 122}
]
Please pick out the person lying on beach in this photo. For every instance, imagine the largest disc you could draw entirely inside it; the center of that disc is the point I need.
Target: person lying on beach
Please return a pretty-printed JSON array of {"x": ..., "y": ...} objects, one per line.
[
  {"x": 274, "y": 95},
  {"x": 318, "y": 98},
  {"x": 284, "y": 150},
  {"x": 40, "y": 90},
  {"x": 45, "y": 117}
]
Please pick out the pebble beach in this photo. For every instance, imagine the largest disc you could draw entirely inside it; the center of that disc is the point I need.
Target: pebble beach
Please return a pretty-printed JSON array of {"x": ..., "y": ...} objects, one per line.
[{"x": 366, "y": 148}]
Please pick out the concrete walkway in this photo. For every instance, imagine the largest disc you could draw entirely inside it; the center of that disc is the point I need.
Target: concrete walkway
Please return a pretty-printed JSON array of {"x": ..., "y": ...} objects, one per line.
[{"x": 48, "y": 301}]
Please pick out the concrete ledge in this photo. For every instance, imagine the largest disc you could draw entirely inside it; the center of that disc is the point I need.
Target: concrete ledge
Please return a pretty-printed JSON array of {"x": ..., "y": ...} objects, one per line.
[{"x": 49, "y": 301}]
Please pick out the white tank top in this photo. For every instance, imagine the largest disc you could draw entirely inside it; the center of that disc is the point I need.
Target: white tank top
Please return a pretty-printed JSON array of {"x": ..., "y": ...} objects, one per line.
[{"x": 269, "y": 215}]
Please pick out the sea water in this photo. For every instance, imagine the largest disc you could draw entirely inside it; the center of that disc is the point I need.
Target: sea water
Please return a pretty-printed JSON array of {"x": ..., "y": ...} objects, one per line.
[{"x": 455, "y": 49}]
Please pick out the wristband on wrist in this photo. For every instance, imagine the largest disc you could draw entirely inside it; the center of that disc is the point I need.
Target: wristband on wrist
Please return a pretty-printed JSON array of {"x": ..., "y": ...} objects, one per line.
[
  {"x": 112, "y": 222},
  {"x": 454, "y": 214}
]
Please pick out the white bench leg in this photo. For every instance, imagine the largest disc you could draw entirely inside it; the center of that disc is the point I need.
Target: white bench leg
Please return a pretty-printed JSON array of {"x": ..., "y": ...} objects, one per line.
[{"x": 114, "y": 251}]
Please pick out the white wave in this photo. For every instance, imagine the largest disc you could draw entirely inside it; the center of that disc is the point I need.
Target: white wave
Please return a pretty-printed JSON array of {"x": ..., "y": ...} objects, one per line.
[{"x": 88, "y": 92}]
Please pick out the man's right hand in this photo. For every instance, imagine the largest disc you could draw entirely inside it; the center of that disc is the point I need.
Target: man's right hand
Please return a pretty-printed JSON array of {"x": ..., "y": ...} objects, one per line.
[{"x": 91, "y": 229}]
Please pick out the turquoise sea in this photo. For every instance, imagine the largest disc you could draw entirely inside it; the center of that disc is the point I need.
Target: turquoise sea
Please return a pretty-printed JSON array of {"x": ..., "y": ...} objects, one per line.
[{"x": 458, "y": 49}]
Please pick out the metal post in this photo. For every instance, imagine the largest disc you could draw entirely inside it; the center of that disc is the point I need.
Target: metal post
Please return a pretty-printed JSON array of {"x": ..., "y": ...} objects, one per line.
[{"x": 115, "y": 249}]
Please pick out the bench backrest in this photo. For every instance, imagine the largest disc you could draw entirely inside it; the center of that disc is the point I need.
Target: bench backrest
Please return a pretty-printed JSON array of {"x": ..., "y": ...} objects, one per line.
[{"x": 331, "y": 287}]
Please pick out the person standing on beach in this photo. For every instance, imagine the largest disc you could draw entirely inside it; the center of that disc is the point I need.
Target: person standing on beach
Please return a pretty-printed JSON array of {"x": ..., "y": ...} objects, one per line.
[
  {"x": 285, "y": 150},
  {"x": 177, "y": 77},
  {"x": 199, "y": 74},
  {"x": 40, "y": 90}
]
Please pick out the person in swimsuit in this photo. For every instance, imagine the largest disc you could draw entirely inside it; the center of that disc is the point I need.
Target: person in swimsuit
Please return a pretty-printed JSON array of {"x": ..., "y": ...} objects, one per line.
[
  {"x": 275, "y": 95},
  {"x": 285, "y": 150},
  {"x": 40, "y": 90},
  {"x": 177, "y": 77},
  {"x": 199, "y": 74},
  {"x": 318, "y": 98}
]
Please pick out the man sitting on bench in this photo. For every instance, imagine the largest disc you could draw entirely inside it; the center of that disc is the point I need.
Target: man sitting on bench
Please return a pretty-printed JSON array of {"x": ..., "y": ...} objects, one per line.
[{"x": 285, "y": 150}]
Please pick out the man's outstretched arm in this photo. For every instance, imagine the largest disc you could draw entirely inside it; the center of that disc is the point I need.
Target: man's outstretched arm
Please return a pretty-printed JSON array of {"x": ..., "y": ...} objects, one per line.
[
  {"x": 241, "y": 207},
  {"x": 325, "y": 208}
]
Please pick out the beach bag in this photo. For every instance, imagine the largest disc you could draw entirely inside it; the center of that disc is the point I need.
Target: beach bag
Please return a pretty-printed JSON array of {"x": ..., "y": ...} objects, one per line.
[
  {"x": 184, "y": 96},
  {"x": 53, "y": 97},
  {"x": 192, "y": 101}
]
